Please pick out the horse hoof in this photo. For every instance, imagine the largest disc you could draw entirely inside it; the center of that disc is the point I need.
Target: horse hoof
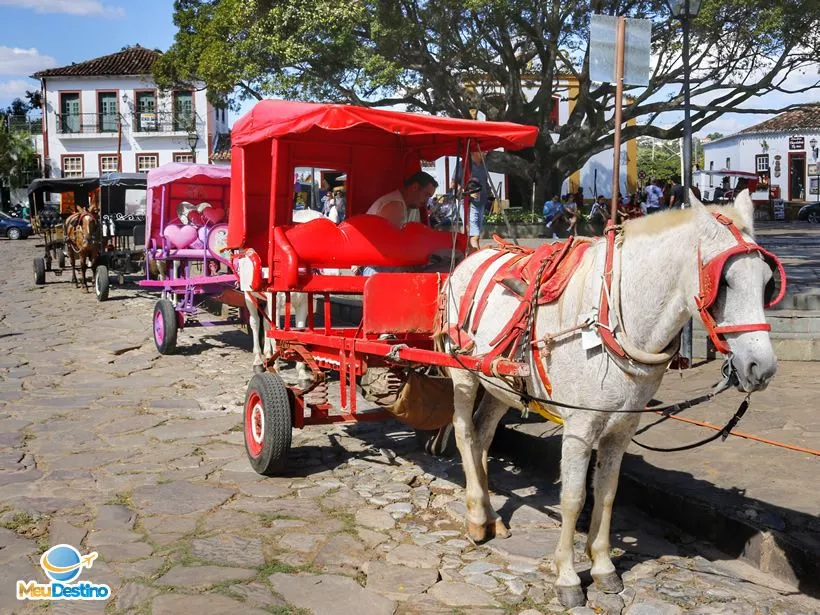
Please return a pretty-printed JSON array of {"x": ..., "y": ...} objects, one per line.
[
  {"x": 258, "y": 369},
  {"x": 609, "y": 583},
  {"x": 570, "y": 596},
  {"x": 500, "y": 530},
  {"x": 479, "y": 532}
]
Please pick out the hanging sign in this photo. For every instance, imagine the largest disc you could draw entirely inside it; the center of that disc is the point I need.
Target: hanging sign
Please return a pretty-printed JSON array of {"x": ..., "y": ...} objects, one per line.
[
  {"x": 797, "y": 143},
  {"x": 602, "y": 57}
]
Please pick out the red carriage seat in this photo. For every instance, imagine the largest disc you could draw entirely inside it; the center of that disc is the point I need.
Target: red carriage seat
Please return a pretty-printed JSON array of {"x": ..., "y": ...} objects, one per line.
[{"x": 362, "y": 240}]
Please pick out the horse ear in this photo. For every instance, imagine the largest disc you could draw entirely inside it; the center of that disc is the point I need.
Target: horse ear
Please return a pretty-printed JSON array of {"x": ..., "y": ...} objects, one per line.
[
  {"x": 695, "y": 201},
  {"x": 745, "y": 210}
]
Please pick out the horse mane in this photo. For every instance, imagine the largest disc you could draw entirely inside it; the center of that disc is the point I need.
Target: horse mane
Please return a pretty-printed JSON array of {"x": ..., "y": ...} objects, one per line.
[{"x": 671, "y": 218}]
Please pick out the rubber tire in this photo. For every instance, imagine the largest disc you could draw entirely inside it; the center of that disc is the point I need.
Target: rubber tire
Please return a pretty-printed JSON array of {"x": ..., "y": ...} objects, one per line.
[
  {"x": 14, "y": 234},
  {"x": 170, "y": 325},
  {"x": 61, "y": 260},
  {"x": 101, "y": 283},
  {"x": 268, "y": 393},
  {"x": 39, "y": 271}
]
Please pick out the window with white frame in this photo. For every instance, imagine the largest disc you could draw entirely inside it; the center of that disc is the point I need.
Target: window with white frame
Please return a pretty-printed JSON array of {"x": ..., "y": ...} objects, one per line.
[
  {"x": 711, "y": 177},
  {"x": 72, "y": 166},
  {"x": 183, "y": 157},
  {"x": 146, "y": 162},
  {"x": 762, "y": 163},
  {"x": 109, "y": 164}
]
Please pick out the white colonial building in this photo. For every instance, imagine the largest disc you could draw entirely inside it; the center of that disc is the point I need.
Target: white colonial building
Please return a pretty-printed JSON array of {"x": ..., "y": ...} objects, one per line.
[
  {"x": 782, "y": 152},
  {"x": 107, "y": 114}
]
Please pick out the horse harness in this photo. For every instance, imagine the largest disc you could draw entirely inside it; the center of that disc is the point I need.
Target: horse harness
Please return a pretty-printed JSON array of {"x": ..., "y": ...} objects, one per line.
[
  {"x": 539, "y": 276},
  {"x": 74, "y": 224}
]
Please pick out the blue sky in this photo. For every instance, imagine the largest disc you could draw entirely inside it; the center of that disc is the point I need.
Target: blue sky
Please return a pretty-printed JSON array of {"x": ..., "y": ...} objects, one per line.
[{"x": 39, "y": 34}]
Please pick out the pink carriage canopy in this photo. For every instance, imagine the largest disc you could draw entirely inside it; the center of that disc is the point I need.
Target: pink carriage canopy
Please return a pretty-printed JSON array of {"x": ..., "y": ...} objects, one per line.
[{"x": 175, "y": 182}]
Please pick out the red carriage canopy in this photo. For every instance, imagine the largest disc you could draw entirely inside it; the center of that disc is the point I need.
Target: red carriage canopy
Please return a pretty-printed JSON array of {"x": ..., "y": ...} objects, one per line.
[{"x": 376, "y": 149}]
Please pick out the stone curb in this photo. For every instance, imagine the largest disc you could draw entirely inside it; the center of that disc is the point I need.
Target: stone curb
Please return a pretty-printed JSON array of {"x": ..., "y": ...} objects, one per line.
[{"x": 794, "y": 559}]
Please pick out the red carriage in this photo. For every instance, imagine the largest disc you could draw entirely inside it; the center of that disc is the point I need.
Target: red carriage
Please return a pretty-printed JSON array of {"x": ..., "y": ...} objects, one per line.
[{"x": 375, "y": 150}]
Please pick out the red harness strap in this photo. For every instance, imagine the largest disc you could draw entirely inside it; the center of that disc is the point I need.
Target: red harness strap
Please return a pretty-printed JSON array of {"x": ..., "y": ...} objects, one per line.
[{"x": 485, "y": 296}]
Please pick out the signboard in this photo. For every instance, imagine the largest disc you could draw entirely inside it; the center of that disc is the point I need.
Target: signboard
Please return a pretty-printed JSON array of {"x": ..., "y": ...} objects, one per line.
[
  {"x": 814, "y": 185},
  {"x": 814, "y": 168},
  {"x": 779, "y": 207},
  {"x": 642, "y": 175},
  {"x": 602, "y": 36},
  {"x": 797, "y": 143}
]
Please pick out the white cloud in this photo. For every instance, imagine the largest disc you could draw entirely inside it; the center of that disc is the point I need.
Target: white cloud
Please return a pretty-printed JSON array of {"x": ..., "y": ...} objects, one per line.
[
  {"x": 15, "y": 88},
  {"x": 69, "y": 7},
  {"x": 16, "y": 61}
]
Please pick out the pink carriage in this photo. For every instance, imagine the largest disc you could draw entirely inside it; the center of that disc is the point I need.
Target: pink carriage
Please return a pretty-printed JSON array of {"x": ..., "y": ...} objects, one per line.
[
  {"x": 186, "y": 230},
  {"x": 374, "y": 150}
]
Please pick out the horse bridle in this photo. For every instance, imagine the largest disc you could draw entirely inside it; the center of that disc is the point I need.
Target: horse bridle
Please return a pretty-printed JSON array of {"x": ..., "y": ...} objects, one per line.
[{"x": 709, "y": 274}]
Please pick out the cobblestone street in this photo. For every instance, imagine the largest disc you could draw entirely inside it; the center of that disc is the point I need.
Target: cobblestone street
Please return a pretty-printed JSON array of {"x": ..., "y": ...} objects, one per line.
[{"x": 110, "y": 447}]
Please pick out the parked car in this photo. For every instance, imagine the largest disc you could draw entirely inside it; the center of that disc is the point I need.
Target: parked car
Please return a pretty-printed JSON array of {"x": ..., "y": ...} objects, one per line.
[
  {"x": 810, "y": 212},
  {"x": 14, "y": 228}
]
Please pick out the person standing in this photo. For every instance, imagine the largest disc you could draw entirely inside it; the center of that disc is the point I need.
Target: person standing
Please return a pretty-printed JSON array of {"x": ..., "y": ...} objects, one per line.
[
  {"x": 654, "y": 195},
  {"x": 479, "y": 202}
]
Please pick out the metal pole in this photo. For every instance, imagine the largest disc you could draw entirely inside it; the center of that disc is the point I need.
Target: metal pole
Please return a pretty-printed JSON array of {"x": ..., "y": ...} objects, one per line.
[
  {"x": 619, "y": 95},
  {"x": 686, "y": 335}
]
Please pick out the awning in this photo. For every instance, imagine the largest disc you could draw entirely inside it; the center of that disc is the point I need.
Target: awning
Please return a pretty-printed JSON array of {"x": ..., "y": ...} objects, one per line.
[{"x": 432, "y": 136}]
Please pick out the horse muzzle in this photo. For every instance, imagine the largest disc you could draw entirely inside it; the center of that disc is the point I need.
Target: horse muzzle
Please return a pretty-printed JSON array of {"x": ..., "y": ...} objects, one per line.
[{"x": 754, "y": 372}]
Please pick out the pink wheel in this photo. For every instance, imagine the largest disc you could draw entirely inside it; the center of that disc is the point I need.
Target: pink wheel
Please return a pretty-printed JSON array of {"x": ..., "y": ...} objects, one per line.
[
  {"x": 165, "y": 327},
  {"x": 267, "y": 423}
]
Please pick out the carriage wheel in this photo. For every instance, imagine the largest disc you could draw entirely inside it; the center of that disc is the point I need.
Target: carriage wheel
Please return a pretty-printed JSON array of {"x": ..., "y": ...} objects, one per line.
[
  {"x": 165, "y": 327},
  {"x": 267, "y": 423},
  {"x": 814, "y": 217},
  {"x": 101, "y": 283},
  {"x": 39, "y": 271}
]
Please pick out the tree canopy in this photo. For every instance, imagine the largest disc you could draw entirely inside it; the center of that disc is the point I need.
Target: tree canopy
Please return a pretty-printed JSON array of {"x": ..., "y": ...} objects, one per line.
[
  {"x": 18, "y": 159},
  {"x": 504, "y": 58}
]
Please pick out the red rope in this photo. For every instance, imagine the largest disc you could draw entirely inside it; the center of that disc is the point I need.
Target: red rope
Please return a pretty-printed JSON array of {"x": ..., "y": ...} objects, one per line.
[{"x": 747, "y": 436}]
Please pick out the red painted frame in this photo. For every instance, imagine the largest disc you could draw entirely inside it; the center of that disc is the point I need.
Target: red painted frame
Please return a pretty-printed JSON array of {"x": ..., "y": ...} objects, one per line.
[
  {"x": 108, "y": 155},
  {"x": 137, "y": 156},
  {"x": 97, "y": 93}
]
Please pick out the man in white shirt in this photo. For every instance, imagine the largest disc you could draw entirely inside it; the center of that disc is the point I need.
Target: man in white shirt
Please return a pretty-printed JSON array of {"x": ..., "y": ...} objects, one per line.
[{"x": 397, "y": 206}]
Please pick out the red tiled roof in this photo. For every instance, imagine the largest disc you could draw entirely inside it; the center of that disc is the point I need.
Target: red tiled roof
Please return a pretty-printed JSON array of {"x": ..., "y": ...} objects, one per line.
[
  {"x": 803, "y": 118},
  {"x": 134, "y": 60}
]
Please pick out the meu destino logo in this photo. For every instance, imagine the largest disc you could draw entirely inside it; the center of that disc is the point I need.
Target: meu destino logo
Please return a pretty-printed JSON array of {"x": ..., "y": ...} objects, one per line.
[{"x": 63, "y": 565}]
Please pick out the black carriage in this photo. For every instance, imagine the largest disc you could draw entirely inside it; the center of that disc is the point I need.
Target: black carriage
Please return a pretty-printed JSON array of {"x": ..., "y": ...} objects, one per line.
[
  {"x": 47, "y": 218},
  {"x": 120, "y": 198}
]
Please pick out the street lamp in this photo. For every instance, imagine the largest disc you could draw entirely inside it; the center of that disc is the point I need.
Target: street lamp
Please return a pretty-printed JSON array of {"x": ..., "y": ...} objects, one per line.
[
  {"x": 193, "y": 139},
  {"x": 684, "y": 11}
]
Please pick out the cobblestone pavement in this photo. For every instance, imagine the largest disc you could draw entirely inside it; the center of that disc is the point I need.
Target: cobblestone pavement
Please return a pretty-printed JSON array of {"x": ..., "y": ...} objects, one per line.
[{"x": 109, "y": 447}]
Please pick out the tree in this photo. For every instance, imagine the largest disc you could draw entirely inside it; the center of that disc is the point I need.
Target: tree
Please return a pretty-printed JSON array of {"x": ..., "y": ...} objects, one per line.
[
  {"x": 18, "y": 159},
  {"x": 659, "y": 159},
  {"x": 501, "y": 57}
]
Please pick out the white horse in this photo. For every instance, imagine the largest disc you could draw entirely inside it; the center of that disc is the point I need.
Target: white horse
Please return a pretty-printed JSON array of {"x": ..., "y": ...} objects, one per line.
[
  {"x": 299, "y": 308},
  {"x": 657, "y": 265}
]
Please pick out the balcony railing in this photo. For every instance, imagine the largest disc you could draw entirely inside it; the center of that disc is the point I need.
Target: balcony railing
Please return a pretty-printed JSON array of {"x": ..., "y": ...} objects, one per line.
[
  {"x": 88, "y": 123},
  {"x": 21, "y": 123},
  {"x": 163, "y": 121}
]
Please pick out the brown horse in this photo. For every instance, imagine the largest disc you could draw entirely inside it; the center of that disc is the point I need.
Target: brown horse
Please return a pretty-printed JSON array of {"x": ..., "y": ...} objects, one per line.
[{"x": 82, "y": 240}]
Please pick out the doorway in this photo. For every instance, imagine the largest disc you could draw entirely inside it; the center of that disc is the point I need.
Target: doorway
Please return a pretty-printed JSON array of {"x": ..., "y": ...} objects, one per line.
[{"x": 797, "y": 176}]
